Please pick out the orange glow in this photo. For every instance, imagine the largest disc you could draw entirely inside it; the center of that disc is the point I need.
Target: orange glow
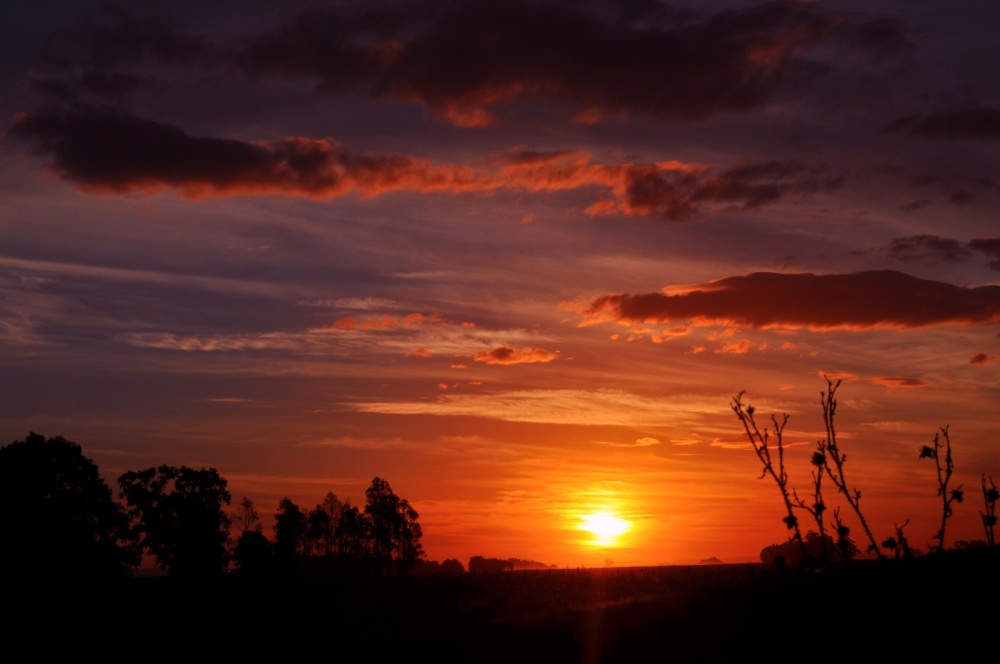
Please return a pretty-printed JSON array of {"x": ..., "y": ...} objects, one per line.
[{"x": 606, "y": 527}]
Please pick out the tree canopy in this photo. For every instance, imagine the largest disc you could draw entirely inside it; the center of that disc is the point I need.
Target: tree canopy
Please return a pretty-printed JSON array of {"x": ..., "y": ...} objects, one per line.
[
  {"x": 178, "y": 515},
  {"x": 57, "y": 514}
]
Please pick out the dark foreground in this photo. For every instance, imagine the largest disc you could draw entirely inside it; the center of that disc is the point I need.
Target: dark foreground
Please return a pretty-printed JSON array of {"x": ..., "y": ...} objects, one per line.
[{"x": 942, "y": 607}]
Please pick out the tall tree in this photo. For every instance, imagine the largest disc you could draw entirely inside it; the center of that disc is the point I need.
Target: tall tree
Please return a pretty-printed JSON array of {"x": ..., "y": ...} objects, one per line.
[
  {"x": 57, "y": 515},
  {"x": 290, "y": 529},
  {"x": 395, "y": 533},
  {"x": 252, "y": 552},
  {"x": 178, "y": 513}
]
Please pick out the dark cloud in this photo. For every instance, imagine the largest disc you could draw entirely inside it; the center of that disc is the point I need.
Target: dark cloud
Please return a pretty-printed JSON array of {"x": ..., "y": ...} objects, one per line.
[
  {"x": 464, "y": 60},
  {"x": 929, "y": 249},
  {"x": 108, "y": 153},
  {"x": 934, "y": 250},
  {"x": 969, "y": 123},
  {"x": 862, "y": 300},
  {"x": 114, "y": 36},
  {"x": 916, "y": 205},
  {"x": 961, "y": 198},
  {"x": 989, "y": 246},
  {"x": 116, "y": 154},
  {"x": 981, "y": 358},
  {"x": 467, "y": 61}
]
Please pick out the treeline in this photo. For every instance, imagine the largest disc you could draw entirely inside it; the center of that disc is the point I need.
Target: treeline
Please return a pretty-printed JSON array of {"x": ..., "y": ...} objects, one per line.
[
  {"x": 333, "y": 539},
  {"x": 481, "y": 565},
  {"x": 60, "y": 521}
]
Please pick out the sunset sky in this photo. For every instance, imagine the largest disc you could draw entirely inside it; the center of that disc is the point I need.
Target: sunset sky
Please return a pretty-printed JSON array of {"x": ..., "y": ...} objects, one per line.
[{"x": 516, "y": 257}]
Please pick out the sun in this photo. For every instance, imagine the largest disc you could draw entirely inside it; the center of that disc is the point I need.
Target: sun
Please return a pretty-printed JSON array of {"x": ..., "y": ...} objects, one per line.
[{"x": 607, "y": 528}]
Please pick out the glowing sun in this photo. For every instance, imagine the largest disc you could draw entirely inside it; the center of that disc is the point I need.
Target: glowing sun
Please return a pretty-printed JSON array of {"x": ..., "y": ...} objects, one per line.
[{"x": 605, "y": 527}]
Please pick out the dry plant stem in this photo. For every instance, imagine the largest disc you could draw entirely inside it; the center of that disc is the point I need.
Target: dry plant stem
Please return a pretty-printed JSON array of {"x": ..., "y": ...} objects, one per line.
[
  {"x": 990, "y": 497},
  {"x": 760, "y": 442},
  {"x": 836, "y": 471},
  {"x": 842, "y": 532},
  {"x": 944, "y": 472},
  {"x": 816, "y": 509}
]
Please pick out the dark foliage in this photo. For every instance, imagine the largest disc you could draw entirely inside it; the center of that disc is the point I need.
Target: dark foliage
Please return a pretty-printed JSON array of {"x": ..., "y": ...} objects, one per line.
[
  {"x": 178, "y": 514},
  {"x": 816, "y": 548},
  {"x": 57, "y": 516}
]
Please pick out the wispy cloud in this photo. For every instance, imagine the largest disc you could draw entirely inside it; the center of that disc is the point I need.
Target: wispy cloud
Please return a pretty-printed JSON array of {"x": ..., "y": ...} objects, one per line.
[
  {"x": 588, "y": 407},
  {"x": 967, "y": 123}
]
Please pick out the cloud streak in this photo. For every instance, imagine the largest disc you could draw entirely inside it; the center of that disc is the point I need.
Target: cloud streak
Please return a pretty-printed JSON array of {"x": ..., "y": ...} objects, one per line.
[
  {"x": 962, "y": 124},
  {"x": 862, "y": 300},
  {"x": 508, "y": 355},
  {"x": 117, "y": 154}
]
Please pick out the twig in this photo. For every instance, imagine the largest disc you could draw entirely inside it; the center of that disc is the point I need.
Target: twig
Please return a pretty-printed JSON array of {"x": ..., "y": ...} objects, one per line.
[
  {"x": 760, "y": 442},
  {"x": 831, "y": 452},
  {"x": 944, "y": 472}
]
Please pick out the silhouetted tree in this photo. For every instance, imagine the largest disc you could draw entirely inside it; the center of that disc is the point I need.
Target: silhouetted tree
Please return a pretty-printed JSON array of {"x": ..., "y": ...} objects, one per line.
[
  {"x": 815, "y": 547},
  {"x": 481, "y": 565},
  {"x": 251, "y": 552},
  {"x": 289, "y": 535},
  {"x": 57, "y": 516},
  {"x": 353, "y": 544},
  {"x": 246, "y": 516},
  {"x": 452, "y": 566},
  {"x": 321, "y": 529},
  {"x": 394, "y": 531},
  {"x": 178, "y": 513}
]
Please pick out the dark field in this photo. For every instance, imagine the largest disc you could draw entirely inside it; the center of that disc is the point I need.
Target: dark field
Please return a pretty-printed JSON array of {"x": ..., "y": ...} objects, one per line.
[{"x": 940, "y": 607}]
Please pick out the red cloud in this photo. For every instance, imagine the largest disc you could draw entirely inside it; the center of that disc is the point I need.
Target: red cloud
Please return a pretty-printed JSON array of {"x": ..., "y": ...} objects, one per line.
[
  {"x": 420, "y": 352},
  {"x": 981, "y": 358},
  {"x": 862, "y": 300},
  {"x": 508, "y": 355},
  {"x": 121, "y": 154},
  {"x": 386, "y": 322},
  {"x": 898, "y": 381}
]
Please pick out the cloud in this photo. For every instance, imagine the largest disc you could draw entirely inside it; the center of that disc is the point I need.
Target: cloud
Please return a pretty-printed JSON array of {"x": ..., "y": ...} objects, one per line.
[
  {"x": 919, "y": 204},
  {"x": 862, "y": 300},
  {"x": 898, "y": 381},
  {"x": 934, "y": 250},
  {"x": 929, "y": 249},
  {"x": 385, "y": 322},
  {"x": 735, "y": 347},
  {"x": 469, "y": 62},
  {"x": 982, "y": 358},
  {"x": 640, "y": 442},
  {"x": 968, "y": 123},
  {"x": 121, "y": 154},
  {"x": 989, "y": 246},
  {"x": 508, "y": 355},
  {"x": 420, "y": 352},
  {"x": 117, "y": 154},
  {"x": 590, "y": 407}
]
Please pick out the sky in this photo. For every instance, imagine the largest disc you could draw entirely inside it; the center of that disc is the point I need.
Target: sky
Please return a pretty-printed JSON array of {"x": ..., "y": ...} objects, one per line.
[{"x": 516, "y": 257}]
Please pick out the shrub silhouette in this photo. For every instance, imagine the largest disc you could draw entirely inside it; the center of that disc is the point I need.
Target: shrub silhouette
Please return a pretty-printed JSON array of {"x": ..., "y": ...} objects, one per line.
[{"x": 829, "y": 460}]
